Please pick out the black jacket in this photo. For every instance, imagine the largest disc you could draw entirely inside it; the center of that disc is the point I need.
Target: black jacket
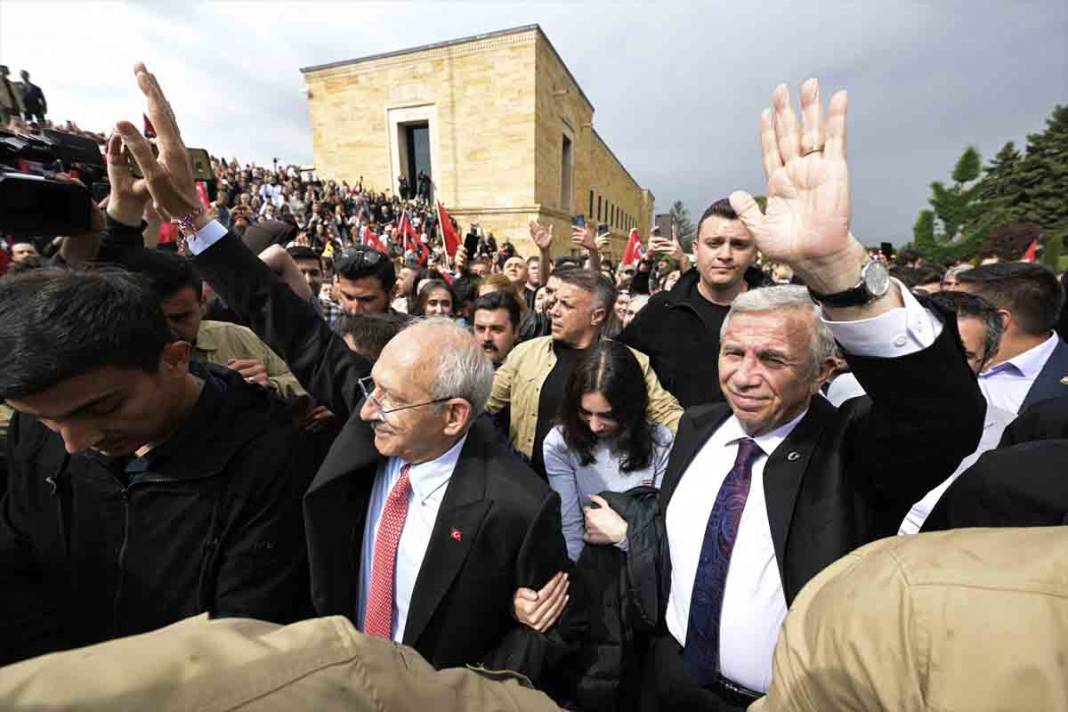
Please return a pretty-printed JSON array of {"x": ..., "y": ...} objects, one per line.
[
  {"x": 623, "y": 605},
  {"x": 848, "y": 476},
  {"x": 1045, "y": 420},
  {"x": 682, "y": 348},
  {"x": 1024, "y": 485},
  {"x": 214, "y": 525}
]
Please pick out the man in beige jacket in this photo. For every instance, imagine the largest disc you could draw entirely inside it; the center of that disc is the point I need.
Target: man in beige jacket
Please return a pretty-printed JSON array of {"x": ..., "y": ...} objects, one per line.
[
  {"x": 970, "y": 620},
  {"x": 321, "y": 664}
]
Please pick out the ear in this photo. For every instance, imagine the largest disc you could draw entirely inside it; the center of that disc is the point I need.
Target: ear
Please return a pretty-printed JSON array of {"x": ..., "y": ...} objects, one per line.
[
  {"x": 598, "y": 316},
  {"x": 827, "y": 368},
  {"x": 174, "y": 360},
  {"x": 457, "y": 417},
  {"x": 1006, "y": 319}
]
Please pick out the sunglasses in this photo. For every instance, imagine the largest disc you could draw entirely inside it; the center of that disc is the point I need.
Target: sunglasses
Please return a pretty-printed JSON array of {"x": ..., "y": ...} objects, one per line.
[{"x": 355, "y": 259}]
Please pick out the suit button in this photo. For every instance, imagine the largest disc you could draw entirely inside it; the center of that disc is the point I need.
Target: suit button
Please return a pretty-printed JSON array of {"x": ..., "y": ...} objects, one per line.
[{"x": 900, "y": 340}]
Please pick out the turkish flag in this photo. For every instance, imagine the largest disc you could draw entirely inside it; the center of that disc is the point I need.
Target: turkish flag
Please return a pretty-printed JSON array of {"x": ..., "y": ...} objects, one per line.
[
  {"x": 634, "y": 250},
  {"x": 411, "y": 240},
  {"x": 372, "y": 240},
  {"x": 1032, "y": 252},
  {"x": 448, "y": 232}
]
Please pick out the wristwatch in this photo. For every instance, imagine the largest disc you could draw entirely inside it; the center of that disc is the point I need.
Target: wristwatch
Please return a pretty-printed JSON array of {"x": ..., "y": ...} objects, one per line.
[{"x": 874, "y": 283}]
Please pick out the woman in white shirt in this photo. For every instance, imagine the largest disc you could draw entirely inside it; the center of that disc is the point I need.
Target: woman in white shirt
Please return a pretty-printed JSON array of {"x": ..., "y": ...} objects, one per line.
[{"x": 603, "y": 440}]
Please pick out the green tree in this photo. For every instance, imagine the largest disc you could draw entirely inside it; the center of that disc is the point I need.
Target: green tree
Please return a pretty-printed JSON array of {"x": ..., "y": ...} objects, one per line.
[
  {"x": 958, "y": 220},
  {"x": 681, "y": 217},
  {"x": 1042, "y": 177}
]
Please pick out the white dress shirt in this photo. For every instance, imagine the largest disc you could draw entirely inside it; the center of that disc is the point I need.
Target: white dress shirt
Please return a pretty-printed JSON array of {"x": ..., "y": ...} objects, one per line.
[
  {"x": 1006, "y": 385},
  {"x": 754, "y": 604},
  {"x": 429, "y": 482}
]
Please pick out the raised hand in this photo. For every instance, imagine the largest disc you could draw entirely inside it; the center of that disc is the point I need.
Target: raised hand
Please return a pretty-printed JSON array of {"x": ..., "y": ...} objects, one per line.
[
  {"x": 807, "y": 220},
  {"x": 129, "y": 196},
  {"x": 168, "y": 177},
  {"x": 584, "y": 236},
  {"x": 541, "y": 234}
]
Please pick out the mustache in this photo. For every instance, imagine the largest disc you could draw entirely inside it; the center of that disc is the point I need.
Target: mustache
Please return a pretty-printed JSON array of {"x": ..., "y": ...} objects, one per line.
[{"x": 489, "y": 346}]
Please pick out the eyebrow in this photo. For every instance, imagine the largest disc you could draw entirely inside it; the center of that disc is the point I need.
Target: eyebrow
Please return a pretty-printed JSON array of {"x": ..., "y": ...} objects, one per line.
[{"x": 76, "y": 410}]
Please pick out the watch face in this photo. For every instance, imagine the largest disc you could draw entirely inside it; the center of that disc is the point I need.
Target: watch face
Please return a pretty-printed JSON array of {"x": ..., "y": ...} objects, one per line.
[{"x": 876, "y": 278}]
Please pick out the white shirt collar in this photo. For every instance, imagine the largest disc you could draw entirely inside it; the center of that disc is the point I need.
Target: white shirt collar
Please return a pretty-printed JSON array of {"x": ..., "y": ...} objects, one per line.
[
  {"x": 1030, "y": 362},
  {"x": 732, "y": 431},
  {"x": 427, "y": 477}
]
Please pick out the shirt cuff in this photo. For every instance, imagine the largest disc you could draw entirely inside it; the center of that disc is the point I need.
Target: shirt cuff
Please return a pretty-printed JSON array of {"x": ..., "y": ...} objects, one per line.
[
  {"x": 206, "y": 237},
  {"x": 898, "y": 332}
]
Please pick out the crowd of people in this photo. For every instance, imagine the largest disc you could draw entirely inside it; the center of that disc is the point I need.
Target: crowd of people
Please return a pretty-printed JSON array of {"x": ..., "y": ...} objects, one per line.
[{"x": 676, "y": 483}]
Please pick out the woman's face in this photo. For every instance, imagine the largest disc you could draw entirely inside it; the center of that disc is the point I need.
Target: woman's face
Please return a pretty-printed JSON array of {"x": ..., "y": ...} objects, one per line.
[
  {"x": 539, "y": 301},
  {"x": 596, "y": 412},
  {"x": 438, "y": 303}
]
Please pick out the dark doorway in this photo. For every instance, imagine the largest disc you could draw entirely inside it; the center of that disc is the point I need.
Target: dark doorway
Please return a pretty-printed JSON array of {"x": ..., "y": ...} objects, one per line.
[{"x": 415, "y": 140}]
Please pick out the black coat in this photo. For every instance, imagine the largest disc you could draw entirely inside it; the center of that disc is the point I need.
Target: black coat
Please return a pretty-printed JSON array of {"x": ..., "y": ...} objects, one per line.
[
  {"x": 214, "y": 526},
  {"x": 848, "y": 476},
  {"x": 682, "y": 349},
  {"x": 1045, "y": 420},
  {"x": 1025, "y": 485},
  {"x": 498, "y": 528}
]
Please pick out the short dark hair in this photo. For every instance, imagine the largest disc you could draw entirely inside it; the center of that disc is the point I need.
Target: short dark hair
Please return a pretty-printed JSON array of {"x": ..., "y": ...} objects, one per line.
[
  {"x": 372, "y": 332},
  {"x": 972, "y": 306},
  {"x": 609, "y": 367},
  {"x": 166, "y": 272},
  {"x": 55, "y": 324},
  {"x": 352, "y": 264},
  {"x": 602, "y": 289},
  {"x": 720, "y": 209},
  {"x": 1030, "y": 292},
  {"x": 464, "y": 289},
  {"x": 301, "y": 252},
  {"x": 532, "y": 259},
  {"x": 501, "y": 300}
]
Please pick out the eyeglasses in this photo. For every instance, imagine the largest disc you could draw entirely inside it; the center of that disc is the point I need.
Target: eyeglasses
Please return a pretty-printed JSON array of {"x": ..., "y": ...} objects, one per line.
[
  {"x": 355, "y": 259},
  {"x": 368, "y": 387}
]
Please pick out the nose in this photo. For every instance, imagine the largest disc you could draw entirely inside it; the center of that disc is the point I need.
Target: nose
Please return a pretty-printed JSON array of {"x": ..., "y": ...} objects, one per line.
[
  {"x": 723, "y": 252},
  {"x": 747, "y": 374},
  {"x": 76, "y": 437},
  {"x": 369, "y": 411},
  {"x": 597, "y": 426}
]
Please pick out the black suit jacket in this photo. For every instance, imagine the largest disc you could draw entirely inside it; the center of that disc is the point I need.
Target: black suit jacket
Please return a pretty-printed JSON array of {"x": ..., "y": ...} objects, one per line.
[
  {"x": 507, "y": 519},
  {"x": 847, "y": 476},
  {"x": 1047, "y": 420},
  {"x": 498, "y": 529},
  {"x": 1052, "y": 380},
  {"x": 1024, "y": 485}
]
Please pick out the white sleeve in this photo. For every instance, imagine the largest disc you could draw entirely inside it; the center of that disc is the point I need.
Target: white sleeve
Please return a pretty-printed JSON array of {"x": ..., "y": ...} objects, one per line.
[
  {"x": 206, "y": 237},
  {"x": 898, "y": 332}
]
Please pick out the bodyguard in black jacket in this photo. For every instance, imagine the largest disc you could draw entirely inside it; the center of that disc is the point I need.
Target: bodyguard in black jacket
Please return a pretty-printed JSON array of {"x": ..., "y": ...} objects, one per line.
[{"x": 143, "y": 490}]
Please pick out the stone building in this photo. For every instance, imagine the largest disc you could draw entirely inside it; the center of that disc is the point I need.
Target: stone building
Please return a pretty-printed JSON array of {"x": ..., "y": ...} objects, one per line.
[{"x": 498, "y": 122}]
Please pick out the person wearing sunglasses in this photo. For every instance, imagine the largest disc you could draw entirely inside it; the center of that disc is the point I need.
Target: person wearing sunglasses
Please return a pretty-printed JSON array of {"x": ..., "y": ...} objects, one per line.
[{"x": 363, "y": 280}]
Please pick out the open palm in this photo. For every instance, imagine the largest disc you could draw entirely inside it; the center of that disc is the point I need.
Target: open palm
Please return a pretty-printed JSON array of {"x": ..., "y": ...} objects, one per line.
[{"x": 807, "y": 219}]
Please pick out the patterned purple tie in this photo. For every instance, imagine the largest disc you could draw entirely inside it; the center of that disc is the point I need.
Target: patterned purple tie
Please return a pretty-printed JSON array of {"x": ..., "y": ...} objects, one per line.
[{"x": 700, "y": 655}]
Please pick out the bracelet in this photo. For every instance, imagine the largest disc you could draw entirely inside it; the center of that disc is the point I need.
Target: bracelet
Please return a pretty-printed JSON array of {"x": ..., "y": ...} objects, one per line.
[{"x": 186, "y": 222}]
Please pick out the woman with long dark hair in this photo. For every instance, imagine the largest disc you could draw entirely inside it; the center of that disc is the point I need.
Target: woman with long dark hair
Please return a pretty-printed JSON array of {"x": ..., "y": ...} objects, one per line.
[
  {"x": 435, "y": 298},
  {"x": 603, "y": 440}
]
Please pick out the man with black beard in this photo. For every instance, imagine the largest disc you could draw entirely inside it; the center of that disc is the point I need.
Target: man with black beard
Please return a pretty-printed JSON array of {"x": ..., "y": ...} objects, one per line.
[{"x": 496, "y": 324}]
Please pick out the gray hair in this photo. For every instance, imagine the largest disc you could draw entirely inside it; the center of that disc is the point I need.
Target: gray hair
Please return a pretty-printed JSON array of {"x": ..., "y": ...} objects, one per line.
[
  {"x": 463, "y": 369},
  {"x": 790, "y": 296}
]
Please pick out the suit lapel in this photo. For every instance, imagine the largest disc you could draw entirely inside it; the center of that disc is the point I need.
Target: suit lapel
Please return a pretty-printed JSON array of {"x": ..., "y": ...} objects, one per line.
[
  {"x": 686, "y": 447},
  {"x": 785, "y": 471},
  {"x": 455, "y": 531},
  {"x": 1052, "y": 380}
]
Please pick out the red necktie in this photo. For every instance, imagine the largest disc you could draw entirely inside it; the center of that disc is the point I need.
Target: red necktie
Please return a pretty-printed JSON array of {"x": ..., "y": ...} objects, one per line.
[{"x": 378, "y": 619}]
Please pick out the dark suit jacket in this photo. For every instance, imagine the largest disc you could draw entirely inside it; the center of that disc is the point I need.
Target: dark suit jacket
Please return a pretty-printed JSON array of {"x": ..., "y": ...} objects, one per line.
[
  {"x": 1025, "y": 485},
  {"x": 1052, "y": 380},
  {"x": 847, "y": 476},
  {"x": 1047, "y": 420},
  {"x": 498, "y": 527}
]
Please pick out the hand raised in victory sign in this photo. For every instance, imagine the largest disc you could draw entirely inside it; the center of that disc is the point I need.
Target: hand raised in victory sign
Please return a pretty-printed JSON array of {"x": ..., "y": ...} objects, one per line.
[{"x": 807, "y": 220}]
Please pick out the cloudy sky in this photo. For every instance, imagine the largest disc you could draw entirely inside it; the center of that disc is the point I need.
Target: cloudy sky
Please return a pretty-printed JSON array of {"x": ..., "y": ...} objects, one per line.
[{"x": 677, "y": 86}]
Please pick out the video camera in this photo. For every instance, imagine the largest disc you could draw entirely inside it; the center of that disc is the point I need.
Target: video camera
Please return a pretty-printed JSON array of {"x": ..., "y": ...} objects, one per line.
[{"x": 33, "y": 200}]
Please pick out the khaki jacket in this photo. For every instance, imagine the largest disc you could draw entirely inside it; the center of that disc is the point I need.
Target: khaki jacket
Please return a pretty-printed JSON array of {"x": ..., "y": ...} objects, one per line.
[
  {"x": 970, "y": 619},
  {"x": 322, "y": 664},
  {"x": 519, "y": 380},
  {"x": 220, "y": 341}
]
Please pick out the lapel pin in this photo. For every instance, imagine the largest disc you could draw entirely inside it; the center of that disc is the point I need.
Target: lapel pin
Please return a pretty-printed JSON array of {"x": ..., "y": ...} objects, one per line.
[
  {"x": 793, "y": 456},
  {"x": 456, "y": 535},
  {"x": 1064, "y": 381}
]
